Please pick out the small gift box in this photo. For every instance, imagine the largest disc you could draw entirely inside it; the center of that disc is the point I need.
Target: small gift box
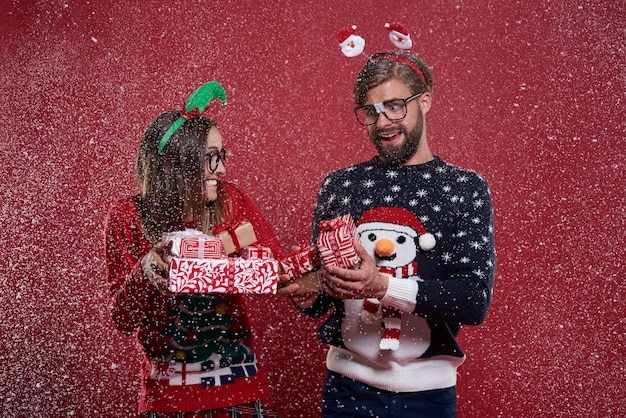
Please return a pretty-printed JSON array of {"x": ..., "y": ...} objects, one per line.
[
  {"x": 301, "y": 261},
  {"x": 235, "y": 237},
  {"x": 334, "y": 242},
  {"x": 194, "y": 244},
  {"x": 225, "y": 275},
  {"x": 256, "y": 251}
]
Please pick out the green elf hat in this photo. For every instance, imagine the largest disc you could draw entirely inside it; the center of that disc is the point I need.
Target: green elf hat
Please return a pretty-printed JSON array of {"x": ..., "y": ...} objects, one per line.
[{"x": 195, "y": 106}]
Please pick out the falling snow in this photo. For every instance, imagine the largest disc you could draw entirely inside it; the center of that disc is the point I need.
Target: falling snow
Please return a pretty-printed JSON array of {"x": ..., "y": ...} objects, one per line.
[{"x": 530, "y": 95}]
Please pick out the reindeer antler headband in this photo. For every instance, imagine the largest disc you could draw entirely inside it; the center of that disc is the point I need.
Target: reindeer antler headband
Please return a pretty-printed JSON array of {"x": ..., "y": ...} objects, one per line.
[{"x": 353, "y": 45}]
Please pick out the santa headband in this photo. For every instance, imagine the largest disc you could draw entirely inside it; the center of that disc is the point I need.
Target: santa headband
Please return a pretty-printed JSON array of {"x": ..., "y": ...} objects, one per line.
[
  {"x": 353, "y": 45},
  {"x": 194, "y": 107}
]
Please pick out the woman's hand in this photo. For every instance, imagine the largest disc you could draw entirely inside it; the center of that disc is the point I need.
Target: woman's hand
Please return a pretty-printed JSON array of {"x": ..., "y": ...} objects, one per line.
[
  {"x": 155, "y": 269},
  {"x": 286, "y": 287},
  {"x": 302, "y": 290}
]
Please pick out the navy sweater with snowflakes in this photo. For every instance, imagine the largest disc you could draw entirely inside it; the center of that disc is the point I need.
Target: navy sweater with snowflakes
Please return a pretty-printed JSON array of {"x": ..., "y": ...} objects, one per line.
[{"x": 435, "y": 288}]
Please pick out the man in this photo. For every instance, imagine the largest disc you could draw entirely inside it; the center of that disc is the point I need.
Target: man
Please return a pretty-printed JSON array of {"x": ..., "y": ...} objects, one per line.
[{"x": 427, "y": 257}]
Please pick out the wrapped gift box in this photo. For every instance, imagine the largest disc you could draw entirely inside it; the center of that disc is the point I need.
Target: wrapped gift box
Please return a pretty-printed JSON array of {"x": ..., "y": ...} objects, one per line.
[
  {"x": 186, "y": 244},
  {"x": 335, "y": 242},
  {"x": 256, "y": 251},
  {"x": 301, "y": 261},
  {"x": 234, "y": 238},
  {"x": 225, "y": 275}
]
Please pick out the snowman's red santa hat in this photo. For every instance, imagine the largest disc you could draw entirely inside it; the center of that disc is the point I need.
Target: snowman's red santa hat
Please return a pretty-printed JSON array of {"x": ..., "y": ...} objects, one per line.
[{"x": 384, "y": 218}]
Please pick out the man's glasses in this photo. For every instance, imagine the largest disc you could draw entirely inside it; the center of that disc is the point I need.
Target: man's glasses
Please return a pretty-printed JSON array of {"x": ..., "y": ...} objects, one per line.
[
  {"x": 213, "y": 158},
  {"x": 394, "y": 110}
]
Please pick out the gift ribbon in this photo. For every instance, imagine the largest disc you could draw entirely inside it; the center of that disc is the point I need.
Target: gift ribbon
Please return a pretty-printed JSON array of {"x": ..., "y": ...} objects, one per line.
[
  {"x": 327, "y": 226},
  {"x": 260, "y": 252},
  {"x": 200, "y": 248},
  {"x": 231, "y": 229},
  {"x": 263, "y": 252},
  {"x": 230, "y": 284}
]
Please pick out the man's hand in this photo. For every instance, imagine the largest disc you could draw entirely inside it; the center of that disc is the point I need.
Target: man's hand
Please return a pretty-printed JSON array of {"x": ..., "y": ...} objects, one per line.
[{"x": 361, "y": 283}]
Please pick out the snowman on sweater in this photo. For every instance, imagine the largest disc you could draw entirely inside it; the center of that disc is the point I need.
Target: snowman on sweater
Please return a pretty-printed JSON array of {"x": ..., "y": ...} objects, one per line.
[{"x": 391, "y": 236}]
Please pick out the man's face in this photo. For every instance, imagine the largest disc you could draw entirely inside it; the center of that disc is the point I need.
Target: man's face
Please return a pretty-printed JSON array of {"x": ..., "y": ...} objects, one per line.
[{"x": 397, "y": 141}]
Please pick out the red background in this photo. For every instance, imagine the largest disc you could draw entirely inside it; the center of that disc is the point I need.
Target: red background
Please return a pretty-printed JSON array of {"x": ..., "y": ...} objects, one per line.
[{"x": 531, "y": 94}]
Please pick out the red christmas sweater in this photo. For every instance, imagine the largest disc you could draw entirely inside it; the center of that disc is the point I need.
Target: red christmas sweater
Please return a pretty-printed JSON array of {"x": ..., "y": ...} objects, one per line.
[{"x": 198, "y": 349}]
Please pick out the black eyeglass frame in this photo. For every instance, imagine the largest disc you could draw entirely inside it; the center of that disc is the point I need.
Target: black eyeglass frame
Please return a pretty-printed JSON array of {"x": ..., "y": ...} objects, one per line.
[
  {"x": 380, "y": 108},
  {"x": 219, "y": 156}
]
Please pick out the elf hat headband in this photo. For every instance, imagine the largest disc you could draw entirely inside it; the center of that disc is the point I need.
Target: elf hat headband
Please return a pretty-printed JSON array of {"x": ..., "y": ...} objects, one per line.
[
  {"x": 195, "y": 107},
  {"x": 352, "y": 44}
]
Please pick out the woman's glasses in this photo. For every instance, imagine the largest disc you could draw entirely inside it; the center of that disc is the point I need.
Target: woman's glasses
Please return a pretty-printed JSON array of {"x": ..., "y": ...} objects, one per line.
[{"x": 214, "y": 157}]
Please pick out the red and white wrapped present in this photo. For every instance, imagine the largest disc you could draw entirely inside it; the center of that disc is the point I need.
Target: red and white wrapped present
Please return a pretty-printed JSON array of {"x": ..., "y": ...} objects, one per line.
[
  {"x": 300, "y": 261},
  {"x": 335, "y": 242},
  {"x": 257, "y": 251},
  {"x": 236, "y": 236},
  {"x": 225, "y": 275},
  {"x": 194, "y": 244}
]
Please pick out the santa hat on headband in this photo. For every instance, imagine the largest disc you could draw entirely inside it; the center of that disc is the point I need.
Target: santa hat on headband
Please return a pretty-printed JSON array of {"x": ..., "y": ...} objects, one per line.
[
  {"x": 399, "y": 35},
  {"x": 350, "y": 43}
]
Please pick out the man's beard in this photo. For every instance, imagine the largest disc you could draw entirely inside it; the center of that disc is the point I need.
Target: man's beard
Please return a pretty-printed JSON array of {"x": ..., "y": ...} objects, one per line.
[{"x": 397, "y": 155}]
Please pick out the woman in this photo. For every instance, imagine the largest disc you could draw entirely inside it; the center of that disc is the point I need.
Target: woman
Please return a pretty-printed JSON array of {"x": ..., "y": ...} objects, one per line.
[{"x": 198, "y": 357}]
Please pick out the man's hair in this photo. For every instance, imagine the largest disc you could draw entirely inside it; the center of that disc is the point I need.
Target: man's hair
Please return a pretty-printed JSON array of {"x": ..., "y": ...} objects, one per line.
[
  {"x": 171, "y": 182},
  {"x": 377, "y": 71}
]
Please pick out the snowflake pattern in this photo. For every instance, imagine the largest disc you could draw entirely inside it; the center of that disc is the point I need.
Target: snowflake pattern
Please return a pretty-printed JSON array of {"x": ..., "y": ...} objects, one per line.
[
  {"x": 479, "y": 273},
  {"x": 476, "y": 245},
  {"x": 451, "y": 203}
]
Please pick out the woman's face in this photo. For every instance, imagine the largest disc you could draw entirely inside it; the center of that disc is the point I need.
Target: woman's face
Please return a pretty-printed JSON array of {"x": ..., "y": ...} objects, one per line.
[{"x": 214, "y": 163}]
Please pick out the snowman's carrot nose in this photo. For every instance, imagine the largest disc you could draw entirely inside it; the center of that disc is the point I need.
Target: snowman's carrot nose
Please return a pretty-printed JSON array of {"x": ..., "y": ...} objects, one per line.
[{"x": 384, "y": 247}]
